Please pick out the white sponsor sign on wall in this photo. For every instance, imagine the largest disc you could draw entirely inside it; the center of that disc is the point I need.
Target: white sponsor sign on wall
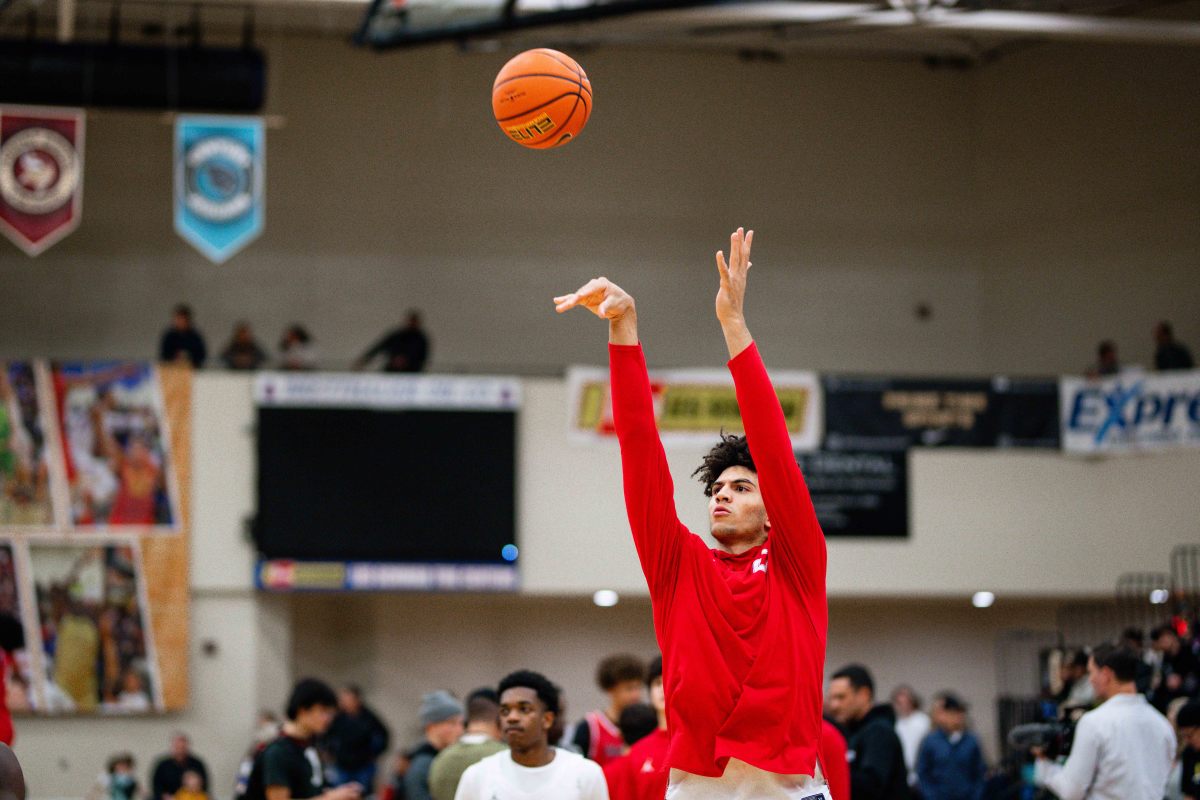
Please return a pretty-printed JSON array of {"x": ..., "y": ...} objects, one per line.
[{"x": 1131, "y": 412}]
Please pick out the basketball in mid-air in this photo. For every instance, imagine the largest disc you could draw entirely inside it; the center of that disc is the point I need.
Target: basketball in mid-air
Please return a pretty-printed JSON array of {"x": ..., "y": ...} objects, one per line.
[{"x": 542, "y": 98}]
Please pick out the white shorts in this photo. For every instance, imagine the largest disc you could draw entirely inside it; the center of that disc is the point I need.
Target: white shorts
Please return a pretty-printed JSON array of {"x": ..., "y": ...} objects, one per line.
[{"x": 742, "y": 781}]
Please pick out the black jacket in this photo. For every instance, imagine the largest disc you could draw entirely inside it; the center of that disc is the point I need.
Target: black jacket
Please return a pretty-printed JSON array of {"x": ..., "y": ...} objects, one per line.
[
  {"x": 356, "y": 741},
  {"x": 877, "y": 770}
]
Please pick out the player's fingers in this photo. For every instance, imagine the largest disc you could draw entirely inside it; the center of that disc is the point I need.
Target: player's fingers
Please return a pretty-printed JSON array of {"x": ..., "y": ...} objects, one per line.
[
  {"x": 749, "y": 242},
  {"x": 735, "y": 250},
  {"x": 722, "y": 267}
]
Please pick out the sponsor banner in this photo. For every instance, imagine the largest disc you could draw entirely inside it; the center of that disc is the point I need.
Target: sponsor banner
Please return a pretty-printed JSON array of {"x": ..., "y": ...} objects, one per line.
[
  {"x": 693, "y": 406},
  {"x": 307, "y": 390},
  {"x": 858, "y": 493},
  {"x": 1132, "y": 412},
  {"x": 282, "y": 575},
  {"x": 41, "y": 175},
  {"x": 892, "y": 415},
  {"x": 219, "y": 183}
]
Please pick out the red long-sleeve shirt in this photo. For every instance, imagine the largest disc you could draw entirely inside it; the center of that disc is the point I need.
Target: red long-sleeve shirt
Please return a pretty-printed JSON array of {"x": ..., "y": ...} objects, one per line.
[{"x": 742, "y": 636}]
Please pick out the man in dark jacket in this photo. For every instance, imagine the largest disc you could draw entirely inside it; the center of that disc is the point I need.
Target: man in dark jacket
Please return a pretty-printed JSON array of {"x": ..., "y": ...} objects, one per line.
[
  {"x": 950, "y": 765},
  {"x": 877, "y": 770},
  {"x": 356, "y": 739}
]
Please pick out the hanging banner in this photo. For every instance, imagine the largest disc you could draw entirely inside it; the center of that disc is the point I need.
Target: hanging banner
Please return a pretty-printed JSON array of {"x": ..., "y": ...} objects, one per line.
[
  {"x": 41, "y": 175},
  {"x": 692, "y": 406},
  {"x": 857, "y": 493},
  {"x": 891, "y": 415},
  {"x": 219, "y": 183},
  {"x": 1131, "y": 413}
]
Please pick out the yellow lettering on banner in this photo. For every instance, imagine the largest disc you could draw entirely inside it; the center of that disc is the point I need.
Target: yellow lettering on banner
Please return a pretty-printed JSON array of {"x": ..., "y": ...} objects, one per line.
[
  {"x": 319, "y": 575},
  {"x": 591, "y": 405},
  {"x": 936, "y": 409},
  {"x": 699, "y": 408}
]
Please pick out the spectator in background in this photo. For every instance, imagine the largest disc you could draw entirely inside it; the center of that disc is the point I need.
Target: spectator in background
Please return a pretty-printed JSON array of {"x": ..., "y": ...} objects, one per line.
[
  {"x": 1122, "y": 749},
  {"x": 289, "y": 767},
  {"x": 193, "y": 787},
  {"x": 442, "y": 717},
  {"x": 118, "y": 782},
  {"x": 1168, "y": 353},
  {"x": 532, "y": 767},
  {"x": 405, "y": 349},
  {"x": 912, "y": 726},
  {"x": 355, "y": 740},
  {"x": 1180, "y": 676},
  {"x": 1106, "y": 360},
  {"x": 950, "y": 765},
  {"x": 1076, "y": 689},
  {"x": 1136, "y": 641},
  {"x": 243, "y": 352},
  {"x": 480, "y": 740},
  {"x": 1187, "y": 721},
  {"x": 182, "y": 342},
  {"x": 642, "y": 773},
  {"x": 877, "y": 770},
  {"x": 393, "y": 789},
  {"x": 167, "y": 776},
  {"x": 598, "y": 736},
  {"x": 296, "y": 349},
  {"x": 835, "y": 761}
]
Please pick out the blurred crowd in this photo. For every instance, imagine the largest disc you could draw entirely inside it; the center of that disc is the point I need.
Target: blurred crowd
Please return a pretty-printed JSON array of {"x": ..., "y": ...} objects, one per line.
[
  {"x": 1169, "y": 354},
  {"x": 403, "y": 349}
]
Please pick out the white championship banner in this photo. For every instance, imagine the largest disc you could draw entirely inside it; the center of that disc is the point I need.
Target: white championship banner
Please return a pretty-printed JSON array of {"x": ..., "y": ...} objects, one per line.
[
  {"x": 693, "y": 406},
  {"x": 1133, "y": 412}
]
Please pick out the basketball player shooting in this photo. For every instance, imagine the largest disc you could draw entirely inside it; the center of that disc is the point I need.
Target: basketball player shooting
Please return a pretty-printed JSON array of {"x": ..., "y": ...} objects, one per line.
[{"x": 742, "y": 626}]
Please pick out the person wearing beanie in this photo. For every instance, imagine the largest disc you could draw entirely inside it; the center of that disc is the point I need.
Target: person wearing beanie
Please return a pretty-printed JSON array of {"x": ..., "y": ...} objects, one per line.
[
  {"x": 442, "y": 718},
  {"x": 950, "y": 763},
  {"x": 1188, "y": 723}
]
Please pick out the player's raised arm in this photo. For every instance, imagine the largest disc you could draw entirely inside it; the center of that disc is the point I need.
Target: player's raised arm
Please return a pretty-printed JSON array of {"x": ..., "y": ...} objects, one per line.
[
  {"x": 649, "y": 491},
  {"x": 795, "y": 533}
]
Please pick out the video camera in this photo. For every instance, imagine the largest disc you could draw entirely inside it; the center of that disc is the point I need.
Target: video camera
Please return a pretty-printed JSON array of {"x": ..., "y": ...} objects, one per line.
[{"x": 1053, "y": 738}]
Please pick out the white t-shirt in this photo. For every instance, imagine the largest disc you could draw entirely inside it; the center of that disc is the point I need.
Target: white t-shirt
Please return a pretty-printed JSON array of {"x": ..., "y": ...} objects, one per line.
[
  {"x": 912, "y": 730},
  {"x": 569, "y": 776}
]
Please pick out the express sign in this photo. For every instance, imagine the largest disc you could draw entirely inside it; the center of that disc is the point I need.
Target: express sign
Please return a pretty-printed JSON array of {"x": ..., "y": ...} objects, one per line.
[{"x": 1131, "y": 412}]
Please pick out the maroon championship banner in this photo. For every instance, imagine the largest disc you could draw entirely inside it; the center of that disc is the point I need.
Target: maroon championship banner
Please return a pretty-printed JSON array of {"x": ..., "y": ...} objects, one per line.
[{"x": 41, "y": 175}]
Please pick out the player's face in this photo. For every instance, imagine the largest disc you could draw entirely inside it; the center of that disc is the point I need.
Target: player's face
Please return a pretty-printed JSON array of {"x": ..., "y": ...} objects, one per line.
[
  {"x": 524, "y": 720},
  {"x": 736, "y": 512}
]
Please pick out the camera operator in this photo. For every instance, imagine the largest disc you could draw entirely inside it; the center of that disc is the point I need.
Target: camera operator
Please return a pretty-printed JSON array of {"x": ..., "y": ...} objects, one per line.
[{"x": 1124, "y": 749}]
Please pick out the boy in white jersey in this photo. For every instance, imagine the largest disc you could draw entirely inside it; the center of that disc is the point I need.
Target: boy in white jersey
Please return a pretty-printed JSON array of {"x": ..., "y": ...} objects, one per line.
[{"x": 531, "y": 769}]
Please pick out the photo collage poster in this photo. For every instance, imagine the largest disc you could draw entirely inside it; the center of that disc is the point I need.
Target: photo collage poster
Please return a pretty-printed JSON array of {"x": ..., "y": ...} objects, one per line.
[{"x": 94, "y": 463}]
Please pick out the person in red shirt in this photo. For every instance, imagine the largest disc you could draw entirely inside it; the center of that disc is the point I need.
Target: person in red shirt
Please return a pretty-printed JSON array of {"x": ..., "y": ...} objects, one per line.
[
  {"x": 834, "y": 761},
  {"x": 641, "y": 774},
  {"x": 742, "y": 626},
  {"x": 598, "y": 734}
]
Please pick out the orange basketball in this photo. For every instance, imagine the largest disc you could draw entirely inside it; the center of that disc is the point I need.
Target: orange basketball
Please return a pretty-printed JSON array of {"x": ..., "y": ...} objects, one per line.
[{"x": 542, "y": 98}]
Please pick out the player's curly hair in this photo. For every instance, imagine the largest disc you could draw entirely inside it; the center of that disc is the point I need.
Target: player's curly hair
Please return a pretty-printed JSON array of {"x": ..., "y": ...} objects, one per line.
[
  {"x": 731, "y": 451},
  {"x": 546, "y": 691}
]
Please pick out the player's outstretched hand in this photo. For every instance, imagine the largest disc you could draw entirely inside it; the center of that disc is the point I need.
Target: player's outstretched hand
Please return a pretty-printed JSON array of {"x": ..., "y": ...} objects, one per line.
[
  {"x": 600, "y": 296},
  {"x": 731, "y": 296}
]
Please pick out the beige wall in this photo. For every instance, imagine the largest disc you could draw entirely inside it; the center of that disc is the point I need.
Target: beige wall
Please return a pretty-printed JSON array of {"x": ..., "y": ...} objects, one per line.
[{"x": 1037, "y": 204}]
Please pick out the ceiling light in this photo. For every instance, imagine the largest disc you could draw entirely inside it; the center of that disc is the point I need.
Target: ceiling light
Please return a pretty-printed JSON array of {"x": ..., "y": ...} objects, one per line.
[
  {"x": 983, "y": 599},
  {"x": 605, "y": 598}
]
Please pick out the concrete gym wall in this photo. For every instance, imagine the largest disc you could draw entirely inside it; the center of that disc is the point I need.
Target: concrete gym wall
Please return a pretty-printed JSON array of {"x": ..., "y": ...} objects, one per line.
[{"x": 1036, "y": 204}]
